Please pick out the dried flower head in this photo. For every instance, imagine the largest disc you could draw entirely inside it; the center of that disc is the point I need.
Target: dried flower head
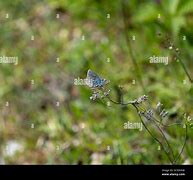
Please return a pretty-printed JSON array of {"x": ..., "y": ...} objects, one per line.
[
  {"x": 141, "y": 99},
  {"x": 148, "y": 114}
]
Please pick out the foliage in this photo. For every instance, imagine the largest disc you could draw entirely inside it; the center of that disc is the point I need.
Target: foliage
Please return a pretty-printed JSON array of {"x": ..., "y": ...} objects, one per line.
[{"x": 46, "y": 119}]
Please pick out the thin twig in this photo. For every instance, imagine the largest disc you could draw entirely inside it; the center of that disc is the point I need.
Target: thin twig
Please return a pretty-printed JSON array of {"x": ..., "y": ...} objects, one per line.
[
  {"x": 121, "y": 103},
  {"x": 153, "y": 136},
  {"x": 169, "y": 146},
  {"x": 185, "y": 140},
  {"x": 184, "y": 68}
]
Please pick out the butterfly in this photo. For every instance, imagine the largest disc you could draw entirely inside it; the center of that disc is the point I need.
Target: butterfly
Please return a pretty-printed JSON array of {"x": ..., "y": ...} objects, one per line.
[{"x": 94, "y": 81}]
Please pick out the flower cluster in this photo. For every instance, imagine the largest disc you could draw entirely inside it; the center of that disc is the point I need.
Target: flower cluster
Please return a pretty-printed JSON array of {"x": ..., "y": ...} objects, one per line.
[
  {"x": 160, "y": 110},
  {"x": 99, "y": 94},
  {"x": 147, "y": 114},
  {"x": 141, "y": 99}
]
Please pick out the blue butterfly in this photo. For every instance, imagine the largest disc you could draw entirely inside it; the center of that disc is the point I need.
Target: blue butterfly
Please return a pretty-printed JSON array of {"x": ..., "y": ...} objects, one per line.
[{"x": 94, "y": 81}]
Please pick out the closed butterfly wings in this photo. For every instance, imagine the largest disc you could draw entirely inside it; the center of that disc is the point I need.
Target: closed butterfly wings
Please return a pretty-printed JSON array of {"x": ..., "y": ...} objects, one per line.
[{"x": 94, "y": 81}]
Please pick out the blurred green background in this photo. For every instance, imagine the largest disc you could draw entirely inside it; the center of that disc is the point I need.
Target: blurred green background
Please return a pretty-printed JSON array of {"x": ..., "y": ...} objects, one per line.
[{"x": 46, "y": 119}]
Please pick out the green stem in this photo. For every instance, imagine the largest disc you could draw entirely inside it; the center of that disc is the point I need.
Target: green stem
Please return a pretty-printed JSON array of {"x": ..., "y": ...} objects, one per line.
[
  {"x": 153, "y": 135},
  {"x": 184, "y": 68},
  {"x": 163, "y": 135},
  {"x": 186, "y": 136}
]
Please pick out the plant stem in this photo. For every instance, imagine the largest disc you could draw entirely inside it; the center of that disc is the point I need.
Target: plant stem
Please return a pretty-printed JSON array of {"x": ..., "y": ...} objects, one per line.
[
  {"x": 153, "y": 135},
  {"x": 169, "y": 146},
  {"x": 184, "y": 68},
  {"x": 186, "y": 136},
  {"x": 121, "y": 103}
]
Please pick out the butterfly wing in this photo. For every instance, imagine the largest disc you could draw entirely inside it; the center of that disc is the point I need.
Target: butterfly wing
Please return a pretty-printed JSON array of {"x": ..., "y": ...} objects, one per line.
[
  {"x": 93, "y": 79},
  {"x": 91, "y": 74}
]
